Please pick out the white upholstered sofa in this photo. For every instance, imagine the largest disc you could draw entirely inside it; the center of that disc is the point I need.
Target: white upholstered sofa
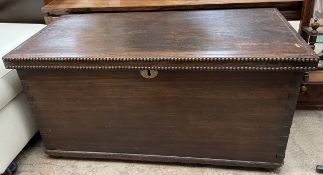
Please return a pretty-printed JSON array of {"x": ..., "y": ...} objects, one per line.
[{"x": 16, "y": 123}]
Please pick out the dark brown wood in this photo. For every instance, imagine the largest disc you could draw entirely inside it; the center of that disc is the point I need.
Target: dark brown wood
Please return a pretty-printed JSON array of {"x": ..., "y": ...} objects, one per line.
[
  {"x": 49, "y": 19},
  {"x": 312, "y": 98},
  {"x": 223, "y": 95},
  {"x": 161, "y": 158},
  {"x": 183, "y": 34},
  {"x": 308, "y": 30},
  {"x": 316, "y": 76},
  {"x": 47, "y": 1},
  {"x": 182, "y": 114},
  {"x": 291, "y": 9},
  {"x": 306, "y": 16},
  {"x": 313, "y": 34}
]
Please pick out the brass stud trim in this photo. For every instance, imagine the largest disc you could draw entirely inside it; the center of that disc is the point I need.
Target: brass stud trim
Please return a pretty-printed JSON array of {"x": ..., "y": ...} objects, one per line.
[
  {"x": 301, "y": 69},
  {"x": 152, "y": 59}
]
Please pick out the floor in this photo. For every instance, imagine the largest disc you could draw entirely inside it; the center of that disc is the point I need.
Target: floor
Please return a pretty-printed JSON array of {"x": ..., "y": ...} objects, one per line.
[{"x": 304, "y": 152}]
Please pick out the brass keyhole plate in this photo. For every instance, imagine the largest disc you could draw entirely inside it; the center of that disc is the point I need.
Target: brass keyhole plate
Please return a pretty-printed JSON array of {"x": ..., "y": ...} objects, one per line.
[{"x": 149, "y": 73}]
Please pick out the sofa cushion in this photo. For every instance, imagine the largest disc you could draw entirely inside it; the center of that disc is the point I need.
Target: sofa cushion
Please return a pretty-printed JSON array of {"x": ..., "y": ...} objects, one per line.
[
  {"x": 9, "y": 87},
  {"x": 11, "y": 35},
  {"x": 17, "y": 126}
]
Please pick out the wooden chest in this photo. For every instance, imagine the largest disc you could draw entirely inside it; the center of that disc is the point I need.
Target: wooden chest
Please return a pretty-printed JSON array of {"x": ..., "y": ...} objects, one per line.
[{"x": 208, "y": 87}]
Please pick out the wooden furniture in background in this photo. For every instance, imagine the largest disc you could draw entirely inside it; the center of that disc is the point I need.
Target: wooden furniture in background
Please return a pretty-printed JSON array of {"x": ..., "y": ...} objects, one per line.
[
  {"x": 190, "y": 93},
  {"x": 291, "y": 9},
  {"x": 312, "y": 89},
  {"x": 47, "y": 1},
  {"x": 48, "y": 19},
  {"x": 306, "y": 16}
]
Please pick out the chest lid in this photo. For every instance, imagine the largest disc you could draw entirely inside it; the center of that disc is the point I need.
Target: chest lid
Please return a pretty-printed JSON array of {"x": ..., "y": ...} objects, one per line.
[{"x": 219, "y": 40}]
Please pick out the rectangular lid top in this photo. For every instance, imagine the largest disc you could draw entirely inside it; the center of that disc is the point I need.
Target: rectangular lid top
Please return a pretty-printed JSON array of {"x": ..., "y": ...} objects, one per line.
[
  {"x": 290, "y": 8},
  {"x": 249, "y": 37}
]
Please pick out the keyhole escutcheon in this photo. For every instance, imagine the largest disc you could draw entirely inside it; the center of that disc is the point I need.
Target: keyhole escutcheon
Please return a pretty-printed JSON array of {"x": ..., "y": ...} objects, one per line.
[{"x": 147, "y": 73}]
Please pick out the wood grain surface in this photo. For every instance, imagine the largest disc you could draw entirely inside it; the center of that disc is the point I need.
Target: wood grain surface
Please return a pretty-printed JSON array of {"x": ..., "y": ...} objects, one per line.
[
  {"x": 312, "y": 98},
  {"x": 243, "y": 33},
  {"x": 290, "y": 8},
  {"x": 211, "y": 115}
]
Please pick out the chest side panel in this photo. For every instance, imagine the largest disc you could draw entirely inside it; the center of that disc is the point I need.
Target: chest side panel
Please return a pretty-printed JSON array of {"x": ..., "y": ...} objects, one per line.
[{"x": 223, "y": 115}]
